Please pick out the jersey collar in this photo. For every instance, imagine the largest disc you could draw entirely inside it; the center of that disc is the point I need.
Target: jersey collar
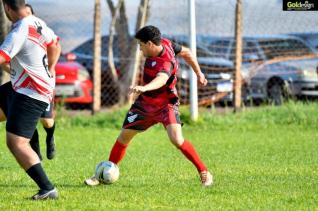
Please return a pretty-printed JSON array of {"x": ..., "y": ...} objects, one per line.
[{"x": 162, "y": 51}]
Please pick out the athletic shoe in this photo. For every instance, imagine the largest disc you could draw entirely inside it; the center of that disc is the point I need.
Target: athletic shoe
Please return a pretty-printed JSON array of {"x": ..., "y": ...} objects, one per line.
[
  {"x": 92, "y": 181},
  {"x": 206, "y": 178},
  {"x": 46, "y": 194},
  {"x": 50, "y": 148}
]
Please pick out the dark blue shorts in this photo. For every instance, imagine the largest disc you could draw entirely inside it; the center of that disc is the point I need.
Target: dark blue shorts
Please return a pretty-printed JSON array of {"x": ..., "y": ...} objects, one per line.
[
  {"x": 48, "y": 113},
  {"x": 22, "y": 112}
]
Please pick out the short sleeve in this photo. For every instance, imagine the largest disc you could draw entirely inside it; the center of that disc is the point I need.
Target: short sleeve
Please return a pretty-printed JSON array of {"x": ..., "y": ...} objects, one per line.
[
  {"x": 49, "y": 36},
  {"x": 166, "y": 67},
  {"x": 14, "y": 42},
  {"x": 176, "y": 48}
]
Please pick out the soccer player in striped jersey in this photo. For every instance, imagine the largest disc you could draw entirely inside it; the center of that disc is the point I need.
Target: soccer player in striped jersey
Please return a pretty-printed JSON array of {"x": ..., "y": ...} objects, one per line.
[
  {"x": 32, "y": 51},
  {"x": 158, "y": 100},
  {"x": 47, "y": 121}
]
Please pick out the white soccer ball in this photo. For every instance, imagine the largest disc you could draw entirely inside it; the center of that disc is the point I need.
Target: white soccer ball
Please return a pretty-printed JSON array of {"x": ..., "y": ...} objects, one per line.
[{"x": 107, "y": 172}]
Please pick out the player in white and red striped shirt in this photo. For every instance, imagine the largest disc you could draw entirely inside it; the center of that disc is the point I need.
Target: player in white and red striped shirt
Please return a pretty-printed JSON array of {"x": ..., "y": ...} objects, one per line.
[
  {"x": 47, "y": 119},
  {"x": 33, "y": 51}
]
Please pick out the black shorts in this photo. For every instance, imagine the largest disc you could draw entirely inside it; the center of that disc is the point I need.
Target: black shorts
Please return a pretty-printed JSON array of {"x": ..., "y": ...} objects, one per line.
[
  {"x": 48, "y": 113},
  {"x": 22, "y": 112}
]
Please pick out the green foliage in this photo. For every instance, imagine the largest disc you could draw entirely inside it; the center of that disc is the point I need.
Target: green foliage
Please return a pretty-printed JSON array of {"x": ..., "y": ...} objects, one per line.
[
  {"x": 292, "y": 113},
  {"x": 109, "y": 119}
]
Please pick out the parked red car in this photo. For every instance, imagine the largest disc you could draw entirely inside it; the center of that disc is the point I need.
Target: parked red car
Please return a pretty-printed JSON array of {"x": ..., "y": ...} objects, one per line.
[{"x": 73, "y": 83}]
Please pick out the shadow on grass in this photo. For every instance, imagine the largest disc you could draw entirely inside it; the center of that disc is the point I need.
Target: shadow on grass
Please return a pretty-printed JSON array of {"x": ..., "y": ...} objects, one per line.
[
  {"x": 58, "y": 185},
  {"x": 15, "y": 186}
]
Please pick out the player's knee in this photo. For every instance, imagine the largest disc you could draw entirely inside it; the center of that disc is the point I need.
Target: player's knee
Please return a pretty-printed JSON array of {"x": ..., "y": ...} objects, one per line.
[
  {"x": 176, "y": 140},
  {"x": 47, "y": 123},
  {"x": 123, "y": 140},
  {"x": 15, "y": 143},
  {"x": 126, "y": 136}
]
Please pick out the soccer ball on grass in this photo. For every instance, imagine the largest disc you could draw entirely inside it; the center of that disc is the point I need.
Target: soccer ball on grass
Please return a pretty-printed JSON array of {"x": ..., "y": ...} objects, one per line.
[{"x": 107, "y": 172}]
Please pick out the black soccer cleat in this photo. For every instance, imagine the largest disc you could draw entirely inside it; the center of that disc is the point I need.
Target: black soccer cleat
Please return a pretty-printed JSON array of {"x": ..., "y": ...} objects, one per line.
[
  {"x": 46, "y": 194},
  {"x": 50, "y": 148}
]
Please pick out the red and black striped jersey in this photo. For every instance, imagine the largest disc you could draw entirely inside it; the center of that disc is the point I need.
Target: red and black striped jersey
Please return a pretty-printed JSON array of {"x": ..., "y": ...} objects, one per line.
[{"x": 166, "y": 63}]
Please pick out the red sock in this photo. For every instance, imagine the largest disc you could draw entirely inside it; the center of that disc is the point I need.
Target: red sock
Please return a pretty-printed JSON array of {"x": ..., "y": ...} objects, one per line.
[
  {"x": 118, "y": 152},
  {"x": 188, "y": 150}
]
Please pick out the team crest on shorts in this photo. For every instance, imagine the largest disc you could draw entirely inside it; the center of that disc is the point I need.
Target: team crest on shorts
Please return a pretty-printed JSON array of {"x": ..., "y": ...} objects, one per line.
[{"x": 132, "y": 118}]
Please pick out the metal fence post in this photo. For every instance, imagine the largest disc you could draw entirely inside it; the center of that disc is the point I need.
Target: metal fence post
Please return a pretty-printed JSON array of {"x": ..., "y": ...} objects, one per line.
[{"x": 193, "y": 78}]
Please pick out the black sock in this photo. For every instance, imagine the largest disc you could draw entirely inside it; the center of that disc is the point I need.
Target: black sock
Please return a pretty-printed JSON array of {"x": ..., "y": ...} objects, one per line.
[
  {"x": 49, "y": 132},
  {"x": 36, "y": 172}
]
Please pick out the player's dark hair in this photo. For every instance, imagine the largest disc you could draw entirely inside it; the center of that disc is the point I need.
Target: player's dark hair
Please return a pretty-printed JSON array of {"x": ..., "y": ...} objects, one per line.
[
  {"x": 149, "y": 33},
  {"x": 15, "y": 4},
  {"x": 31, "y": 8}
]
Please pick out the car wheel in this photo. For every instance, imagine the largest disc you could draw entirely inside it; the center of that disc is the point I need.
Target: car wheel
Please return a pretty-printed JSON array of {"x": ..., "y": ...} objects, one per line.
[
  {"x": 78, "y": 106},
  {"x": 276, "y": 92}
]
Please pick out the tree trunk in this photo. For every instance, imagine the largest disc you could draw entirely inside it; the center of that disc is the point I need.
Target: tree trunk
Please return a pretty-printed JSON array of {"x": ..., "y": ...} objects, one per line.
[
  {"x": 120, "y": 23},
  {"x": 134, "y": 68},
  {"x": 122, "y": 31},
  {"x": 111, "y": 62},
  {"x": 126, "y": 45}
]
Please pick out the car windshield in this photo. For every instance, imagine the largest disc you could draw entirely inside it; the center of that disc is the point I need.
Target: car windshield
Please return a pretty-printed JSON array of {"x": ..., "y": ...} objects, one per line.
[
  {"x": 87, "y": 47},
  {"x": 284, "y": 48},
  {"x": 219, "y": 48},
  {"x": 201, "y": 50},
  {"x": 62, "y": 58}
]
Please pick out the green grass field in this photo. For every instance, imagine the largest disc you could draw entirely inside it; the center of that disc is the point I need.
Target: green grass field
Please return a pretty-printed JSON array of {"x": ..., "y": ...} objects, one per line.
[{"x": 262, "y": 159}]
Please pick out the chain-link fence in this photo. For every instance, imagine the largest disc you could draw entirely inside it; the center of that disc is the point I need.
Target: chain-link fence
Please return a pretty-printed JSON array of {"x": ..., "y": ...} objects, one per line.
[
  {"x": 278, "y": 53},
  {"x": 75, "y": 27},
  {"x": 279, "y": 57}
]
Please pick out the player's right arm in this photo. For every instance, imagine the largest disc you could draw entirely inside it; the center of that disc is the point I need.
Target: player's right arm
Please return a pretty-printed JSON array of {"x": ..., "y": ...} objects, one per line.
[
  {"x": 12, "y": 44},
  {"x": 191, "y": 60},
  {"x": 159, "y": 81}
]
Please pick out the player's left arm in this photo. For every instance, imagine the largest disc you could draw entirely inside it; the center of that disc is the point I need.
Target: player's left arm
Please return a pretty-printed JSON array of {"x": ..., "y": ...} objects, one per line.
[
  {"x": 53, "y": 48},
  {"x": 159, "y": 81},
  {"x": 191, "y": 60},
  {"x": 53, "y": 55}
]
